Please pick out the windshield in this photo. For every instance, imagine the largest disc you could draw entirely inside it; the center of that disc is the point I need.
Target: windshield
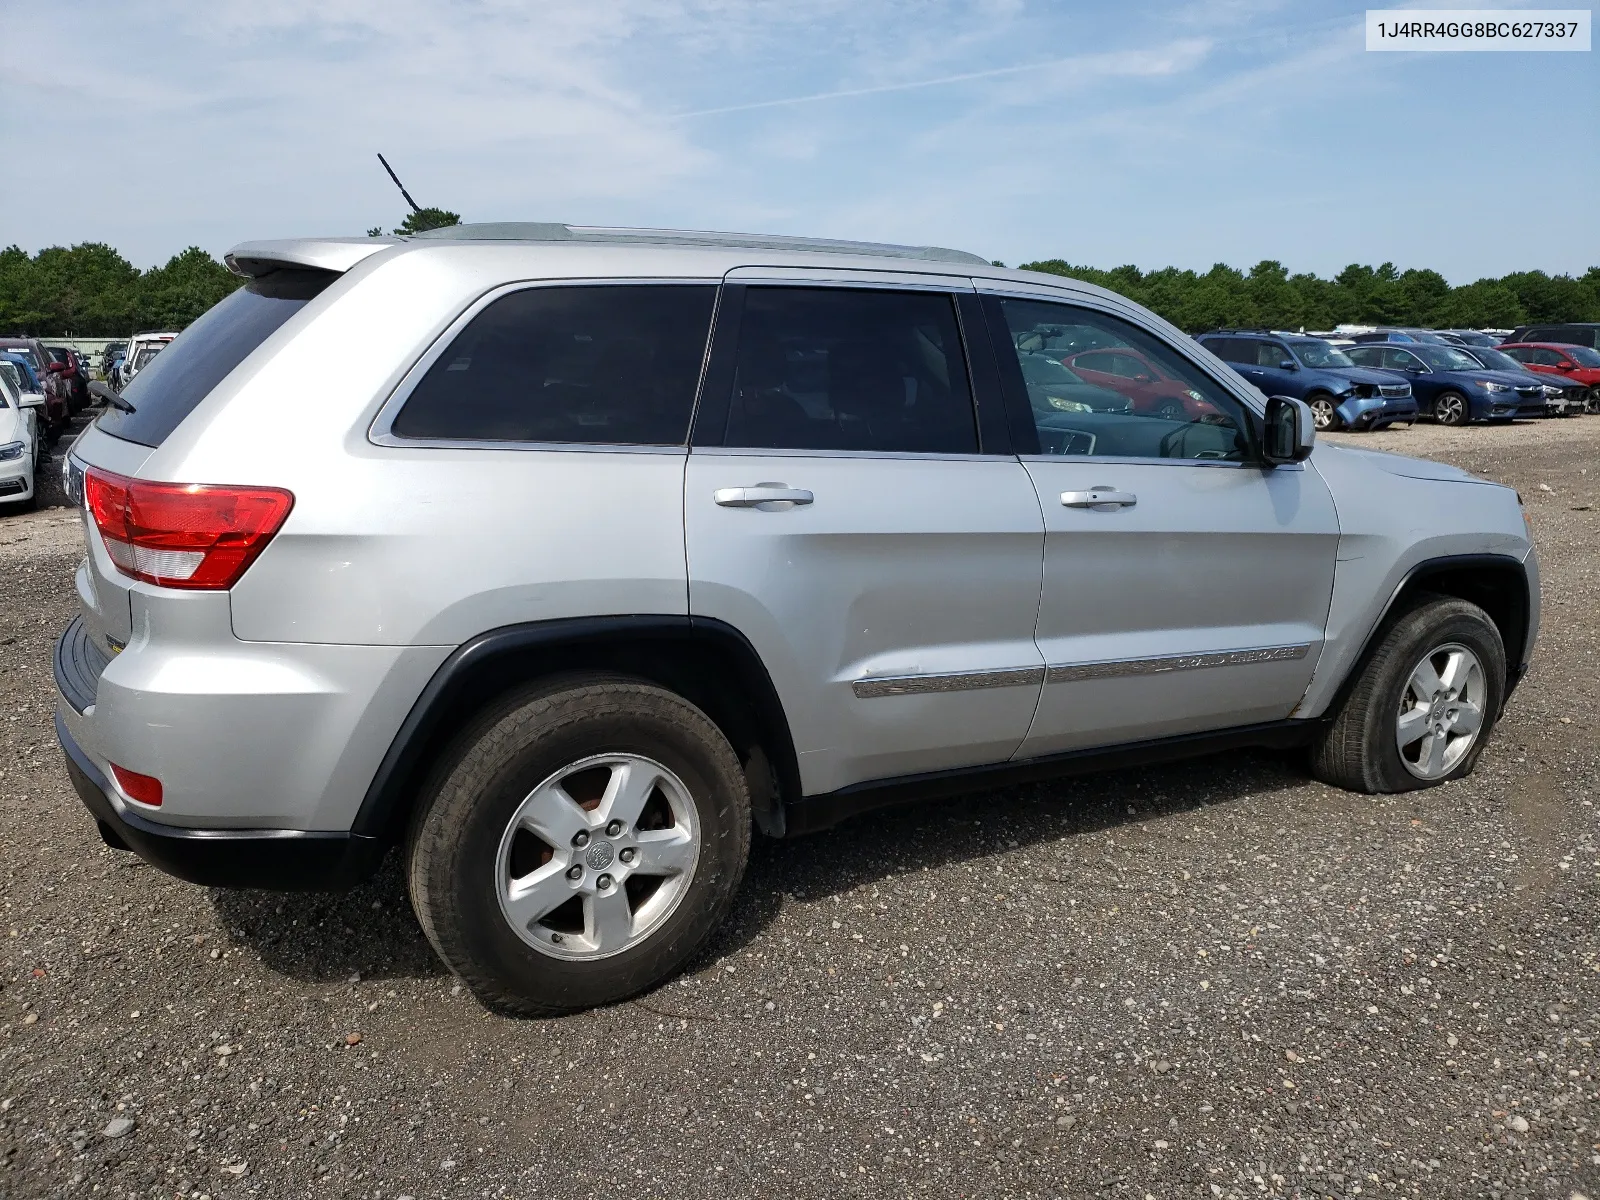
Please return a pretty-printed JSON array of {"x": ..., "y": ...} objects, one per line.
[
  {"x": 1495, "y": 360},
  {"x": 1474, "y": 339},
  {"x": 30, "y": 382},
  {"x": 1583, "y": 356},
  {"x": 1442, "y": 358},
  {"x": 24, "y": 352},
  {"x": 1320, "y": 354}
]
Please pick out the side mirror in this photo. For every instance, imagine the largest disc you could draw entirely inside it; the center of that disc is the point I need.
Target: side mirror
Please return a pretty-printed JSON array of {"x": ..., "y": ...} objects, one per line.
[
  {"x": 1288, "y": 364},
  {"x": 31, "y": 400},
  {"x": 1291, "y": 431},
  {"x": 55, "y": 368},
  {"x": 1566, "y": 366}
]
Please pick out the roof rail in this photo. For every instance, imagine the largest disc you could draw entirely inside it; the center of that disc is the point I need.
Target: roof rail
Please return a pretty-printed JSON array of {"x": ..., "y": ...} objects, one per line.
[{"x": 553, "y": 231}]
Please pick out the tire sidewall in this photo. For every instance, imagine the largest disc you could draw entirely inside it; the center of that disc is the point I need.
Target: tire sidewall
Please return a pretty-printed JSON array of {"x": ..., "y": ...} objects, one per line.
[
  {"x": 1424, "y": 628},
  {"x": 479, "y": 797}
]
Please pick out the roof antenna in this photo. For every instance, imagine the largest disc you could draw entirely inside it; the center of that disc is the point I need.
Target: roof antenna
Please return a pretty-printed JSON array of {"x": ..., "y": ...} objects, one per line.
[{"x": 415, "y": 207}]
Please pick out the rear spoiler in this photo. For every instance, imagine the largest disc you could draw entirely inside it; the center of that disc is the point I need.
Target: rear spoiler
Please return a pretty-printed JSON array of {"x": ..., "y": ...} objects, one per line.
[{"x": 256, "y": 259}]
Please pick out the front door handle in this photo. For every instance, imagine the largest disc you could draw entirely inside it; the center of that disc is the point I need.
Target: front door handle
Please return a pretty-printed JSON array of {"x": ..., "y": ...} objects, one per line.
[
  {"x": 761, "y": 495},
  {"x": 1101, "y": 498}
]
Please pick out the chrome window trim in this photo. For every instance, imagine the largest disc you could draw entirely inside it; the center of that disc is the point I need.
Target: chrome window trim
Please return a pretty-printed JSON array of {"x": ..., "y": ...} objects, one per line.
[
  {"x": 958, "y": 681},
  {"x": 908, "y": 455},
  {"x": 381, "y": 431},
  {"x": 1131, "y": 461},
  {"x": 1160, "y": 664}
]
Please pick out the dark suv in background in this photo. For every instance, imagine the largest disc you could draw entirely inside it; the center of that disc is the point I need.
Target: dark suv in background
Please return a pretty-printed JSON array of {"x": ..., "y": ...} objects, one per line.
[
  {"x": 1341, "y": 394},
  {"x": 1572, "y": 333}
]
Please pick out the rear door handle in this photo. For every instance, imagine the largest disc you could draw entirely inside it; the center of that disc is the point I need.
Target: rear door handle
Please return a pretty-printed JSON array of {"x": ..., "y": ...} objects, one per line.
[
  {"x": 1102, "y": 498},
  {"x": 760, "y": 495}
]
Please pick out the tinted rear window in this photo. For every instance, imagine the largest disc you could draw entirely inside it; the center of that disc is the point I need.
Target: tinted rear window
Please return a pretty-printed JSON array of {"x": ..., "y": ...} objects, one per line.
[
  {"x": 610, "y": 364},
  {"x": 170, "y": 386}
]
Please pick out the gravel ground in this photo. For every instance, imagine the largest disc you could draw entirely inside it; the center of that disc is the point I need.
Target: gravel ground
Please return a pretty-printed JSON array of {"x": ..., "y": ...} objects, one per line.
[{"x": 1210, "y": 979}]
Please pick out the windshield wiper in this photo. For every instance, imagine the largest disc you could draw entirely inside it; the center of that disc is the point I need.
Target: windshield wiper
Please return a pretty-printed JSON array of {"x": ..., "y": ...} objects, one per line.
[{"x": 104, "y": 392}]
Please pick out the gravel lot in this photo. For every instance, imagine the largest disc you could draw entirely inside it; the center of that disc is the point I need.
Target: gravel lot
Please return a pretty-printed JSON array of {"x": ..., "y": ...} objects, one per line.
[{"x": 1209, "y": 979}]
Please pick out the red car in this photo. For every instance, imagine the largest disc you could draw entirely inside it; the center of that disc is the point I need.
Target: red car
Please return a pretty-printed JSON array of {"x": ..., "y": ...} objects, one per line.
[
  {"x": 1125, "y": 370},
  {"x": 1577, "y": 363}
]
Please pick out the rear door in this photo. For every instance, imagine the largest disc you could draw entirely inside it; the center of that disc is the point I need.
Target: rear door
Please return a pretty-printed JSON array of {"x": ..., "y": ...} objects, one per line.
[
  {"x": 843, "y": 513},
  {"x": 1186, "y": 585}
]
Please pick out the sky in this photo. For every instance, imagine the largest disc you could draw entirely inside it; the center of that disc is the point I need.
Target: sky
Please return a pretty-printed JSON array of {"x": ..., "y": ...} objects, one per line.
[{"x": 1157, "y": 134}]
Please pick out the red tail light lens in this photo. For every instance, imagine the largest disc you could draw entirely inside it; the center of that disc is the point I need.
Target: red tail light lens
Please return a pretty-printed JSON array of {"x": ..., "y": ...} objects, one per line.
[
  {"x": 146, "y": 789},
  {"x": 183, "y": 535}
]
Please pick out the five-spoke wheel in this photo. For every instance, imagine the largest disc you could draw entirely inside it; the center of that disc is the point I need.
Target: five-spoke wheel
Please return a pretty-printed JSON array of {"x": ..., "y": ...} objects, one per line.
[
  {"x": 579, "y": 844},
  {"x": 597, "y": 856}
]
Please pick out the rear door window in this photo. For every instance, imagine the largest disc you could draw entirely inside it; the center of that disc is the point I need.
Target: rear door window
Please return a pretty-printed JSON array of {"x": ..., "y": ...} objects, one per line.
[
  {"x": 608, "y": 364},
  {"x": 851, "y": 369},
  {"x": 171, "y": 384}
]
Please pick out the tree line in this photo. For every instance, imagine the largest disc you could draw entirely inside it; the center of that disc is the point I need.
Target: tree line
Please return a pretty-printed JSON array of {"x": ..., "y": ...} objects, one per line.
[
  {"x": 1268, "y": 296},
  {"x": 89, "y": 290}
]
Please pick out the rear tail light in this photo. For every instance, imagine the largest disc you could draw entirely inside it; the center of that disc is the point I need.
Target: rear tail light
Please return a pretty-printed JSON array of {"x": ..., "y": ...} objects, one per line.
[
  {"x": 183, "y": 535},
  {"x": 146, "y": 789}
]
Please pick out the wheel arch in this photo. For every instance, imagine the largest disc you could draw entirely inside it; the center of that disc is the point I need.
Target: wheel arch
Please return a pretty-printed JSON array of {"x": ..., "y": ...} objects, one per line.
[
  {"x": 1496, "y": 583},
  {"x": 707, "y": 661}
]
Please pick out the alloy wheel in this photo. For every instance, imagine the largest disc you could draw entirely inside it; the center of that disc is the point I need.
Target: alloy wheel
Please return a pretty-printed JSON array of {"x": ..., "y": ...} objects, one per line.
[
  {"x": 1441, "y": 711},
  {"x": 1449, "y": 409},
  {"x": 1322, "y": 412},
  {"x": 597, "y": 856}
]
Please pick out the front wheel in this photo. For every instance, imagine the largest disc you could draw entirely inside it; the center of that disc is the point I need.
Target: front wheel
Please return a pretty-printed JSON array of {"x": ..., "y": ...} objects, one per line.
[
  {"x": 1450, "y": 408},
  {"x": 1323, "y": 413},
  {"x": 1170, "y": 410},
  {"x": 1421, "y": 710},
  {"x": 1592, "y": 404},
  {"x": 580, "y": 845}
]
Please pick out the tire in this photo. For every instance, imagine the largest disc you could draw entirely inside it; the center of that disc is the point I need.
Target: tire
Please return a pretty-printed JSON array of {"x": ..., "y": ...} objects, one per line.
[
  {"x": 1451, "y": 408},
  {"x": 1323, "y": 414},
  {"x": 1171, "y": 410},
  {"x": 1362, "y": 748},
  {"x": 585, "y": 733},
  {"x": 1592, "y": 404}
]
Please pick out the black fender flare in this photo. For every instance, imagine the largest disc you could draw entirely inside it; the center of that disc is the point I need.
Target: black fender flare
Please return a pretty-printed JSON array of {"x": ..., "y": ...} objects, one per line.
[{"x": 386, "y": 806}]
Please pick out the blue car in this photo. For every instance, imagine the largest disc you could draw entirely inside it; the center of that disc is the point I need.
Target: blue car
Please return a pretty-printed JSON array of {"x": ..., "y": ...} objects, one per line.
[
  {"x": 1341, "y": 394},
  {"x": 1453, "y": 387},
  {"x": 1561, "y": 396},
  {"x": 24, "y": 368}
]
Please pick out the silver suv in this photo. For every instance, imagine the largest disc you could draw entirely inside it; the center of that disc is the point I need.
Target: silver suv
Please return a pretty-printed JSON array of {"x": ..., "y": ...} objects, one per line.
[{"x": 557, "y": 557}]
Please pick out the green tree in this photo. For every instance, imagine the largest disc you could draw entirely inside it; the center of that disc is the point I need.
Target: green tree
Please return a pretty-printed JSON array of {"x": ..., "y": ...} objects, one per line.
[
  {"x": 427, "y": 218},
  {"x": 173, "y": 295}
]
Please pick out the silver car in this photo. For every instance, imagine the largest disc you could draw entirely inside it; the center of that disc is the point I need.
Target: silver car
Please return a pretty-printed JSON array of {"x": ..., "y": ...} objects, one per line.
[{"x": 556, "y": 558}]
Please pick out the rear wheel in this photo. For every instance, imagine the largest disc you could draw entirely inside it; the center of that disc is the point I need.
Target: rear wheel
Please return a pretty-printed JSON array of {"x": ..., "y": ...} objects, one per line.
[
  {"x": 1450, "y": 408},
  {"x": 1422, "y": 708},
  {"x": 580, "y": 846},
  {"x": 1323, "y": 411}
]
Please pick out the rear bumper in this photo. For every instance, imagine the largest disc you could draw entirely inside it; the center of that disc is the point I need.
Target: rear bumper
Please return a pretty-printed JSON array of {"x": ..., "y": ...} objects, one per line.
[{"x": 279, "y": 859}]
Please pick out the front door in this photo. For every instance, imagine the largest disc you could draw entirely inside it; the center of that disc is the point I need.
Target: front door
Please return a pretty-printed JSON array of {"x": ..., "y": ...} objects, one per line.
[
  {"x": 1186, "y": 586},
  {"x": 843, "y": 515}
]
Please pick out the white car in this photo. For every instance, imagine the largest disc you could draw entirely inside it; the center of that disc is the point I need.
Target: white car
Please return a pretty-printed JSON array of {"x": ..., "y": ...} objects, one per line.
[
  {"x": 141, "y": 349},
  {"x": 19, "y": 437}
]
